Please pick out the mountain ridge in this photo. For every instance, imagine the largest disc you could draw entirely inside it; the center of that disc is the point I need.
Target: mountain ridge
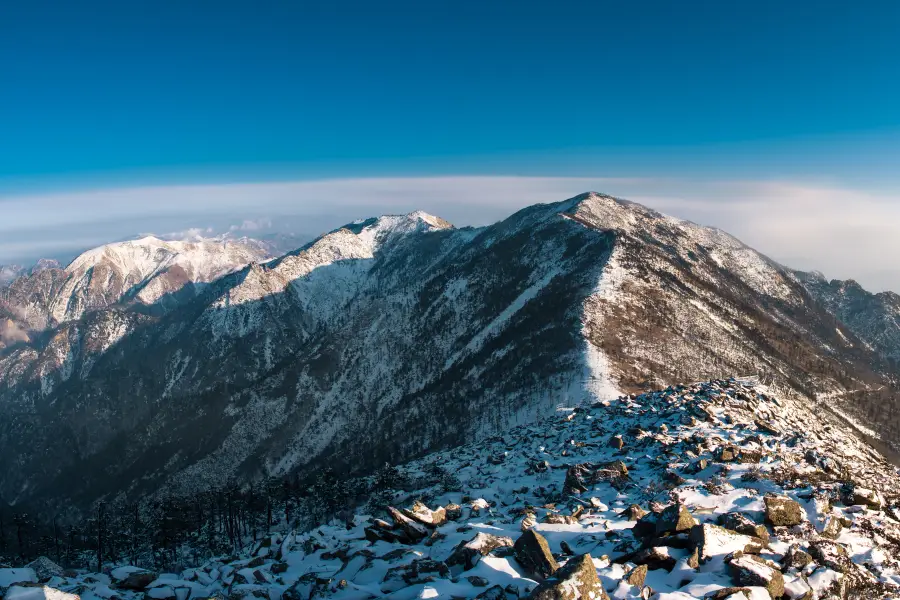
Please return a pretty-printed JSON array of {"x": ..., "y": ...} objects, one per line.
[{"x": 271, "y": 368}]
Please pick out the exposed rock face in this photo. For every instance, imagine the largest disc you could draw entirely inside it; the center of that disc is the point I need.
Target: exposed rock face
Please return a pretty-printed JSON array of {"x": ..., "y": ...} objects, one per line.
[{"x": 274, "y": 362}]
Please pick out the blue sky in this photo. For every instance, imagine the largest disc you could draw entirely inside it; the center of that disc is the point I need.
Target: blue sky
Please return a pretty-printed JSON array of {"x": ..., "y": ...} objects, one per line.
[{"x": 111, "y": 95}]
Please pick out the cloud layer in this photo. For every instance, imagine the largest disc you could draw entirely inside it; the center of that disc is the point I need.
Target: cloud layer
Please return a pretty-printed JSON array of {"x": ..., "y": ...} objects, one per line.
[{"x": 846, "y": 233}]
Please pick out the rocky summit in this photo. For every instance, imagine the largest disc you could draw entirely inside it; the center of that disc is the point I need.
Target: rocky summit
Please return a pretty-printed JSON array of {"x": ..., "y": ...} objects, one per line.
[{"x": 718, "y": 490}]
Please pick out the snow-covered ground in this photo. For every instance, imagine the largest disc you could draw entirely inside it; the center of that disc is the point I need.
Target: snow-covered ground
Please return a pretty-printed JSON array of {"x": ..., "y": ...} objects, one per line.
[{"x": 712, "y": 490}]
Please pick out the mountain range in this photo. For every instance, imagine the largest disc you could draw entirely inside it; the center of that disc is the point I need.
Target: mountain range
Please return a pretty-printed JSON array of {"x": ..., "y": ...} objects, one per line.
[{"x": 150, "y": 365}]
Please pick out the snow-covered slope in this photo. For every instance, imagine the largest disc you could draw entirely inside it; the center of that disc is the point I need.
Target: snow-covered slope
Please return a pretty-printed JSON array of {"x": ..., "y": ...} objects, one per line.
[
  {"x": 710, "y": 490},
  {"x": 396, "y": 336},
  {"x": 148, "y": 271}
]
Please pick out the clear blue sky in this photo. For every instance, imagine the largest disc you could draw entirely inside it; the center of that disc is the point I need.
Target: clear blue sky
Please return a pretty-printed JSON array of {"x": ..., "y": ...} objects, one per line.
[{"x": 186, "y": 89}]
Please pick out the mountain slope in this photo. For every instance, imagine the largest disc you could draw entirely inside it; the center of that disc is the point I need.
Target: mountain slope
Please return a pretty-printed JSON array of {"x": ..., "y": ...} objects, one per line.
[
  {"x": 710, "y": 490},
  {"x": 874, "y": 318},
  {"x": 336, "y": 352}
]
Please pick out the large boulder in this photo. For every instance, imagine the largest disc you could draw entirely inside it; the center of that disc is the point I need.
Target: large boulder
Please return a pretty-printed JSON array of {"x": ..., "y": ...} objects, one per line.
[
  {"x": 831, "y": 554},
  {"x": 748, "y": 570},
  {"x": 533, "y": 553},
  {"x": 781, "y": 511},
  {"x": 740, "y": 523},
  {"x": 468, "y": 554},
  {"x": 44, "y": 568},
  {"x": 674, "y": 519},
  {"x": 576, "y": 580},
  {"x": 712, "y": 540},
  {"x": 133, "y": 578},
  {"x": 424, "y": 515}
]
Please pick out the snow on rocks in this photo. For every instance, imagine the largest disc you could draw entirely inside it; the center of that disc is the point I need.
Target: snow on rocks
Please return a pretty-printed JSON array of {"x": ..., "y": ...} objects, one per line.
[{"x": 601, "y": 521}]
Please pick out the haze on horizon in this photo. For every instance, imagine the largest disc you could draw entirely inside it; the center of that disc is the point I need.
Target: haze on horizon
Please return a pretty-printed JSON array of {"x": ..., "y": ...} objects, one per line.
[{"x": 777, "y": 123}]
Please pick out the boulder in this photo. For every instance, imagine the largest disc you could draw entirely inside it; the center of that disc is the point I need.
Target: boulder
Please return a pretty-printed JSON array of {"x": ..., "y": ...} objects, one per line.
[
  {"x": 574, "y": 483},
  {"x": 673, "y": 519},
  {"x": 740, "y": 523},
  {"x": 753, "y": 571},
  {"x": 533, "y": 553},
  {"x": 424, "y": 515},
  {"x": 415, "y": 531},
  {"x": 616, "y": 441},
  {"x": 468, "y": 554},
  {"x": 44, "y": 568},
  {"x": 633, "y": 513},
  {"x": 495, "y": 593},
  {"x": 868, "y": 498},
  {"x": 656, "y": 557},
  {"x": 712, "y": 540},
  {"x": 781, "y": 511},
  {"x": 133, "y": 578},
  {"x": 637, "y": 576},
  {"x": 575, "y": 580},
  {"x": 832, "y": 529},
  {"x": 422, "y": 570},
  {"x": 795, "y": 558},
  {"x": 831, "y": 554}
]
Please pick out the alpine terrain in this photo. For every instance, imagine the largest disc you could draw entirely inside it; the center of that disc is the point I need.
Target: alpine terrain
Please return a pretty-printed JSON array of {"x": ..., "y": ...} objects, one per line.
[{"x": 152, "y": 368}]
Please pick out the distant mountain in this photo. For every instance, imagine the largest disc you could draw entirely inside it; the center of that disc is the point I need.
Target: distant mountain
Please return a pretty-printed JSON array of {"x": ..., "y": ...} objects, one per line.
[
  {"x": 389, "y": 338},
  {"x": 149, "y": 271},
  {"x": 874, "y": 318}
]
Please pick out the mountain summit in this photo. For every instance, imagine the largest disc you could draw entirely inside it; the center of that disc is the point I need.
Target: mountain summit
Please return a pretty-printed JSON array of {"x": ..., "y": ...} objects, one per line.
[{"x": 392, "y": 337}]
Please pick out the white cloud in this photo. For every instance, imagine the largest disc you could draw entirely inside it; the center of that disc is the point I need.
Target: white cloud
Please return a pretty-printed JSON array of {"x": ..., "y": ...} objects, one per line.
[{"x": 846, "y": 233}]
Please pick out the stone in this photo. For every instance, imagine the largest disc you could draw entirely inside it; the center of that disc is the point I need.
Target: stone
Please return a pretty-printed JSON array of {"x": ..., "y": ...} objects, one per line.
[
  {"x": 832, "y": 528},
  {"x": 137, "y": 580},
  {"x": 740, "y": 523},
  {"x": 44, "y": 568},
  {"x": 868, "y": 498},
  {"x": 415, "y": 531},
  {"x": 657, "y": 557},
  {"x": 468, "y": 554},
  {"x": 453, "y": 512},
  {"x": 424, "y": 515},
  {"x": 831, "y": 554},
  {"x": 574, "y": 483},
  {"x": 781, "y": 511},
  {"x": 795, "y": 558},
  {"x": 712, "y": 540},
  {"x": 495, "y": 593},
  {"x": 422, "y": 570},
  {"x": 533, "y": 553},
  {"x": 753, "y": 571},
  {"x": 637, "y": 576},
  {"x": 673, "y": 519},
  {"x": 616, "y": 441},
  {"x": 575, "y": 580},
  {"x": 633, "y": 513},
  {"x": 729, "y": 593}
]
